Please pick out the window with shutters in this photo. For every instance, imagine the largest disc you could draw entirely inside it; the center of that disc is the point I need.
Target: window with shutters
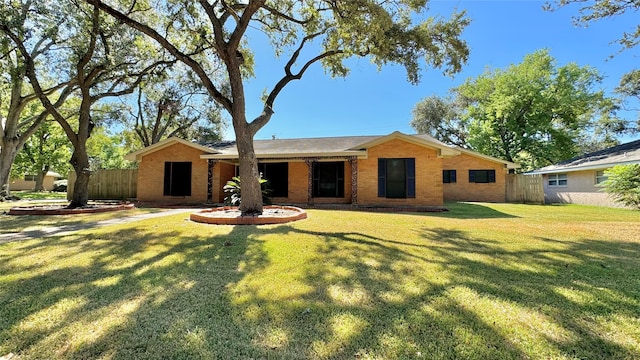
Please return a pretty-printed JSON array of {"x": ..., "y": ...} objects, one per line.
[
  {"x": 397, "y": 178},
  {"x": 448, "y": 176},
  {"x": 177, "y": 178},
  {"x": 482, "y": 176},
  {"x": 328, "y": 179}
]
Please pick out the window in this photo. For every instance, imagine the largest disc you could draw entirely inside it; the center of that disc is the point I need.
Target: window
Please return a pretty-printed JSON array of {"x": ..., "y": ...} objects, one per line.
[
  {"x": 177, "y": 178},
  {"x": 556, "y": 180},
  {"x": 482, "y": 176},
  {"x": 277, "y": 175},
  {"x": 448, "y": 176},
  {"x": 328, "y": 179},
  {"x": 600, "y": 176},
  {"x": 29, "y": 178},
  {"x": 397, "y": 178}
]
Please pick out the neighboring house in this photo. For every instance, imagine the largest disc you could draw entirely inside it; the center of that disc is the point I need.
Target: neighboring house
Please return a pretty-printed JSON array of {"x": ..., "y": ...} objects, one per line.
[
  {"x": 28, "y": 182},
  {"x": 575, "y": 181},
  {"x": 392, "y": 170}
]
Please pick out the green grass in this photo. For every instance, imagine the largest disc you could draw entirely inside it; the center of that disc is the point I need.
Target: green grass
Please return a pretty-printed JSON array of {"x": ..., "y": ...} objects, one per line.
[
  {"x": 14, "y": 224},
  {"x": 483, "y": 281},
  {"x": 40, "y": 195}
]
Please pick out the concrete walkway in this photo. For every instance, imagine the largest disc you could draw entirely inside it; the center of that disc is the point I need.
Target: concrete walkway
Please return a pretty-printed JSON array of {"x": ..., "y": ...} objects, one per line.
[{"x": 71, "y": 228}]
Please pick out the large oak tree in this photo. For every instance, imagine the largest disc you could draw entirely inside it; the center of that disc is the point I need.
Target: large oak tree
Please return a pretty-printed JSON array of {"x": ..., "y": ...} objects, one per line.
[
  {"x": 20, "y": 113},
  {"x": 303, "y": 33},
  {"x": 103, "y": 59},
  {"x": 534, "y": 113},
  {"x": 171, "y": 103}
]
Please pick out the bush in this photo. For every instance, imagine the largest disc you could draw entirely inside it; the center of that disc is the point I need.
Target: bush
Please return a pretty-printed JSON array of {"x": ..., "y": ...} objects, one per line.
[
  {"x": 623, "y": 184},
  {"x": 234, "y": 190}
]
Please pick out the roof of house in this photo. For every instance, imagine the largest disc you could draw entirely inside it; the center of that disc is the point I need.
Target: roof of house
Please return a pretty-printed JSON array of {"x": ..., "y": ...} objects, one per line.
[
  {"x": 627, "y": 153},
  {"x": 313, "y": 147},
  {"x": 327, "y": 146}
]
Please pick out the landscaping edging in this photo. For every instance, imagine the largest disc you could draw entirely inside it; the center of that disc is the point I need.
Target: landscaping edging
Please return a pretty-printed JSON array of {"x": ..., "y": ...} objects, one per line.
[{"x": 231, "y": 216}]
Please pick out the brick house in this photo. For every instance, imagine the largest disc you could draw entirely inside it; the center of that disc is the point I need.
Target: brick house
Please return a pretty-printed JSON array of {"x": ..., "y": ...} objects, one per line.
[{"x": 391, "y": 170}]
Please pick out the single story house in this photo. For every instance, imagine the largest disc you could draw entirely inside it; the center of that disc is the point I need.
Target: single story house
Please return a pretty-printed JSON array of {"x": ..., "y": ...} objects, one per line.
[
  {"x": 28, "y": 182},
  {"x": 390, "y": 170},
  {"x": 575, "y": 181}
]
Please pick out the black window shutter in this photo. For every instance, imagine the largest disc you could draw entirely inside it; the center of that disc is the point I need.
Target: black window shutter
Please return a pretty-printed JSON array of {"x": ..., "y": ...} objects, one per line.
[
  {"x": 411, "y": 177},
  {"x": 187, "y": 179},
  {"x": 472, "y": 176},
  {"x": 492, "y": 176},
  {"x": 340, "y": 180},
  {"x": 382, "y": 177},
  {"x": 316, "y": 180},
  {"x": 452, "y": 176},
  {"x": 167, "y": 179}
]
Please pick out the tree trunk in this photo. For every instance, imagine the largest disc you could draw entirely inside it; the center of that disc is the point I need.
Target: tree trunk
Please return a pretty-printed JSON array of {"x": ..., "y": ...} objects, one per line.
[
  {"x": 8, "y": 153},
  {"x": 40, "y": 179},
  {"x": 251, "y": 202},
  {"x": 80, "y": 162}
]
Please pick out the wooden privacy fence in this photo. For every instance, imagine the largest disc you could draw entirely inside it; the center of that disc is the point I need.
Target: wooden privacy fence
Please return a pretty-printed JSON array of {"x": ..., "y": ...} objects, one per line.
[
  {"x": 108, "y": 184},
  {"x": 525, "y": 188}
]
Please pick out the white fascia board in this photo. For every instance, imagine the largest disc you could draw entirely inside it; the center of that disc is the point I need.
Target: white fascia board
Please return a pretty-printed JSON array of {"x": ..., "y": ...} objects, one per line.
[{"x": 582, "y": 168}]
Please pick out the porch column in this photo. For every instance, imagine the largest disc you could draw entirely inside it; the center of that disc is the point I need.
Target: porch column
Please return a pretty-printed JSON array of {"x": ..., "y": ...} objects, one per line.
[
  {"x": 354, "y": 179},
  {"x": 212, "y": 164},
  {"x": 310, "y": 162}
]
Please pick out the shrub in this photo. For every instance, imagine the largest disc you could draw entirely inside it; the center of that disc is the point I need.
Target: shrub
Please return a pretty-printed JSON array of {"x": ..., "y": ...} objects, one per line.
[
  {"x": 623, "y": 184},
  {"x": 234, "y": 190}
]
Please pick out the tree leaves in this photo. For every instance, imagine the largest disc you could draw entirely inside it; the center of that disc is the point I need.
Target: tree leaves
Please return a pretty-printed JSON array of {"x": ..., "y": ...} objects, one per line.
[{"x": 533, "y": 113}]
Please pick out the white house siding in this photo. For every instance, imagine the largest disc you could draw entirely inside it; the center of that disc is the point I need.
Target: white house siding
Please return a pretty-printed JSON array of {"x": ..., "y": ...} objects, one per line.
[{"x": 581, "y": 189}]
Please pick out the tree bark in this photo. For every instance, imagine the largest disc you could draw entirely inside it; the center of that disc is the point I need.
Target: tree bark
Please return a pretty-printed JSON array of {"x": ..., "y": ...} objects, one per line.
[
  {"x": 251, "y": 203},
  {"x": 40, "y": 179},
  {"x": 7, "y": 156},
  {"x": 80, "y": 163}
]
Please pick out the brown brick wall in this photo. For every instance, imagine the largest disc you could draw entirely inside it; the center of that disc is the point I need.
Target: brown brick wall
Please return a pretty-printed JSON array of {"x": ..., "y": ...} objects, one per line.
[
  {"x": 428, "y": 174},
  {"x": 222, "y": 173},
  {"x": 463, "y": 190},
  {"x": 430, "y": 191},
  {"x": 151, "y": 175},
  {"x": 298, "y": 175}
]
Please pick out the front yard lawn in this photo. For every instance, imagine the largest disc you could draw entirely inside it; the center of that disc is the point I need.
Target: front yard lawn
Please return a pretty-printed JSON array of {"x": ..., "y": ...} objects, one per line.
[{"x": 483, "y": 281}]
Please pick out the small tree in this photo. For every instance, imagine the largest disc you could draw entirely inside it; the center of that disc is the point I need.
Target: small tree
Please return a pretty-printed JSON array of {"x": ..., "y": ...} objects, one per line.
[{"x": 623, "y": 184}]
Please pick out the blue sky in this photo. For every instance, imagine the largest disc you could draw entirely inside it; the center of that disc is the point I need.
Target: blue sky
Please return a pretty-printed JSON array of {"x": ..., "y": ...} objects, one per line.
[{"x": 369, "y": 102}]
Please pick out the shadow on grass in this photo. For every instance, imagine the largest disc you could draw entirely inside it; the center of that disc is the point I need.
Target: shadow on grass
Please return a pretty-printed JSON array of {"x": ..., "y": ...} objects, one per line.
[
  {"x": 136, "y": 293},
  {"x": 20, "y": 223},
  {"x": 465, "y": 210},
  {"x": 385, "y": 298},
  {"x": 161, "y": 293}
]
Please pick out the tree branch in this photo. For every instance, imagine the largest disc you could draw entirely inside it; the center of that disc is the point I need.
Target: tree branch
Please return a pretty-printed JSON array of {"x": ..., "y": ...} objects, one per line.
[
  {"x": 285, "y": 16},
  {"x": 31, "y": 74},
  {"x": 162, "y": 41},
  {"x": 289, "y": 76}
]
